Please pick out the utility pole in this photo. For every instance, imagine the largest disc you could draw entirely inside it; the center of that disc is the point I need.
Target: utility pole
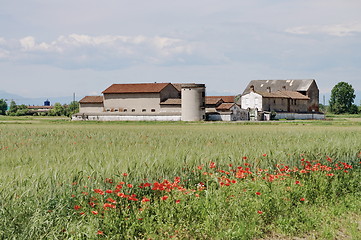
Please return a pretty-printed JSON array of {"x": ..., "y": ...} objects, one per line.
[{"x": 73, "y": 97}]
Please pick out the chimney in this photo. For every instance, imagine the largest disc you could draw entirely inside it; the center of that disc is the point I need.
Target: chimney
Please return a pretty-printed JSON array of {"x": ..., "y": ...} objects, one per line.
[
  {"x": 251, "y": 88},
  {"x": 269, "y": 89}
]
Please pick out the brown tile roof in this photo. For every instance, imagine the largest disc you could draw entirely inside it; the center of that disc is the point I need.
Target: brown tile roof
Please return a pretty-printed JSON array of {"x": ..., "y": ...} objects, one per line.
[
  {"x": 225, "y": 106},
  {"x": 172, "y": 101},
  {"x": 226, "y": 99},
  {"x": 136, "y": 88},
  {"x": 92, "y": 99},
  {"x": 213, "y": 100},
  {"x": 295, "y": 95},
  {"x": 284, "y": 94}
]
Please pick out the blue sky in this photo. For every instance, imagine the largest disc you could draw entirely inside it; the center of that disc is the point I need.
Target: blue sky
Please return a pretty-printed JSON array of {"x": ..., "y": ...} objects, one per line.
[{"x": 54, "y": 48}]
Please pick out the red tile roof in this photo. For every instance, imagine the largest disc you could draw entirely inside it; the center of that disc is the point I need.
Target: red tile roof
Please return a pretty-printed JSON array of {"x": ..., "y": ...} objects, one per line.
[
  {"x": 136, "y": 88},
  {"x": 225, "y": 106},
  {"x": 92, "y": 99},
  {"x": 226, "y": 99},
  {"x": 213, "y": 100}
]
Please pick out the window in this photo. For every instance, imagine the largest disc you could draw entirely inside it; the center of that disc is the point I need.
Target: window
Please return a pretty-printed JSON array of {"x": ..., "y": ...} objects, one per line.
[
  {"x": 133, "y": 110},
  {"x": 144, "y": 110},
  {"x": 108, "y": 110},
  {"x": 116, "y": 110},
  {"x": 203, "y": 94},
  {"x": 153, "y": 110},
  {"x": 125, "y": 110}
]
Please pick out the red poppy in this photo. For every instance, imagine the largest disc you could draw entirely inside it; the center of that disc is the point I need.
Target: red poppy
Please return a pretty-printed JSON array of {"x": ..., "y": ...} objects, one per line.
[
  {"x": 111, "y": 200},
  {"x": 258, "y": 193},
  {"x": 77, "y": 207},
  {"x": 145, "y": 200},
  {"x": 125, "y": 174},
  {"x": 108, "y": 205},
  {"x": 164, "y": 197},
  {"x": 297, "y": 182},
  {"x": 100, "y": 232},
  {"x": 259, "y": 212},
  {"x": 95, "y": 212},
  {"x": 177, "y": 201},
  {"x": 302, "y": 199}
]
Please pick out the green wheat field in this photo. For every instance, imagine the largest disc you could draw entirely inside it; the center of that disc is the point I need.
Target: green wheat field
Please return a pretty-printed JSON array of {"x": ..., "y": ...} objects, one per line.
[{"x": 150, "y": 180}]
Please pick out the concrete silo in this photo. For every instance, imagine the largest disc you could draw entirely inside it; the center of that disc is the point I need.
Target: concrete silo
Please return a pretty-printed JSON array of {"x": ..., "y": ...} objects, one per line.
[{"x": 193, "y": 102}]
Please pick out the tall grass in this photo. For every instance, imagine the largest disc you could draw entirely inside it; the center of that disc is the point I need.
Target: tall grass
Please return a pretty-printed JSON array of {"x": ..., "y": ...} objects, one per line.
[{"x": 43, "y": 164}]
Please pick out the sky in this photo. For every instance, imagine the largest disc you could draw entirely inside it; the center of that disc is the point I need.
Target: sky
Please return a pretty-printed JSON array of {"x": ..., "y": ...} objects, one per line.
[{"x": 52, "y": 48}]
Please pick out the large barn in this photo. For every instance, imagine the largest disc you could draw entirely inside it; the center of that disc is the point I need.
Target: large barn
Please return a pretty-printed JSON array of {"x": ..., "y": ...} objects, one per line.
[{"x": 145, "y": 101}]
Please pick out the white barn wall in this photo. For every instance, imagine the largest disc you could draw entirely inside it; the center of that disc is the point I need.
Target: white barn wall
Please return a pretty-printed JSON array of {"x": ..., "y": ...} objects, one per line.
[{"x": 251, "y": 100}]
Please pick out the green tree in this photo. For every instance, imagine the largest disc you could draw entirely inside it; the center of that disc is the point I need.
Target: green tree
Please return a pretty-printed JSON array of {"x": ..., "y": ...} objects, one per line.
[
  {"x": 13, "y": 108},
  {"x": 58, "y": 110},
  {"x": 342, "y": 97},
  {"x": 3, "y": 107},
  {"x": 72, "y": 108}
]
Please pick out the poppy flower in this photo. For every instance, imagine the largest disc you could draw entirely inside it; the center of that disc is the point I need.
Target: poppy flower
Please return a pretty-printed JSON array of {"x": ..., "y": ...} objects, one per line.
[
  {"x": 258, "y": 193},
  {"x": 95, "y": 212},
  {"x": 259, "y": 212},
  {"x": 145, "y": 200},
  {"x": 302, "y": 199},
  {"x": 77, "y": 207},
  {"x": 100, "y": 232},
  {"x": 164, "y": 198}
]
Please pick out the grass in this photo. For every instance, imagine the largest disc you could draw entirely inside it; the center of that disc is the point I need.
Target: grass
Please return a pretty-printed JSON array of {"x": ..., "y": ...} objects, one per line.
[{"x": 43, "y": 163}]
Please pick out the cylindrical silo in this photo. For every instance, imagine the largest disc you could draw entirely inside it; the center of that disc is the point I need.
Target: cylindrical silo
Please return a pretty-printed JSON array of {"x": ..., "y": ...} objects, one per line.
[{"x": 193, "y": 102}]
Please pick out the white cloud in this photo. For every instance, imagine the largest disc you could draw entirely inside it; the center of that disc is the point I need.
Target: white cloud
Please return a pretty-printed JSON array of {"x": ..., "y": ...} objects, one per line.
[
  {"x": 108, "y": 51},
  {"x": 339, "y": 30}
]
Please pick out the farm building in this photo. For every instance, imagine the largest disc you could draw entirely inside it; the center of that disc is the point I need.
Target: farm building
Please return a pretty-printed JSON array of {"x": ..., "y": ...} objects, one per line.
[
  {"x": 224, "y": 108},
  {"x": 297, "y": 99},
  {"x": 145, "y": 101},
  {"x": 287, "y": 98}
]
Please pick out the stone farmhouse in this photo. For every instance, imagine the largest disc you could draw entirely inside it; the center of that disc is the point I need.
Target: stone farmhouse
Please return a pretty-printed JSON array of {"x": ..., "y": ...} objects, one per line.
[
  {"x": 292, "y": 99},
  {"x": 286, "y": 98}
]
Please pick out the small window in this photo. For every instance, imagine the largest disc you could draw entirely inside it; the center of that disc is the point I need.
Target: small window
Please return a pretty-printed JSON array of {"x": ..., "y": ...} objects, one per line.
[
  {"x": 144, "y": 110},
  {"x": 116, "y": 110},
  {"x": 203, "y": 94},
  {"x": 125, "y": 110},
  {"x": 133, "y": 110},
  {"x": 153, "y": 110},
  {"x": 108, "y": 110},
  {"x": 274, "y": 101}
]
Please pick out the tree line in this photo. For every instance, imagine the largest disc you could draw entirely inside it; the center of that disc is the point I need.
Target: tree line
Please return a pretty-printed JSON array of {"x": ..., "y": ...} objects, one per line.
[{"x": 23, "y": 110}]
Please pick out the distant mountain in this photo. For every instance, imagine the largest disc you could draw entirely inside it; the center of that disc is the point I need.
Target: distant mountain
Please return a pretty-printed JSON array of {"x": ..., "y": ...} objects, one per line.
[{"x": 34, "y": 101}]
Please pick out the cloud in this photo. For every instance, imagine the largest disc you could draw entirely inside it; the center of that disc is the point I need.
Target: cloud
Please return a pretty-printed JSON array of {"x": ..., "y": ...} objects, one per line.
[
  {"x": 105, "y": 51},
  {"x": 339, "y": 30}
]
